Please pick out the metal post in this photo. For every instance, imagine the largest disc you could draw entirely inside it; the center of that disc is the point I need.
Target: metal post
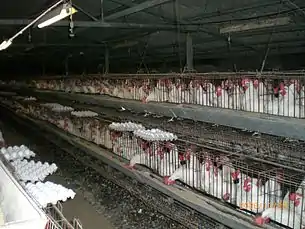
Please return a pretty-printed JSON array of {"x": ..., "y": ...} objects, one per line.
[
  {"x": 189, "y": 53},
  {"x": 106, "y": 60},
  {"x": 43, "y": 68},
  {"x": 66, "y": 62},
  {"x": 102, "y": 11}
]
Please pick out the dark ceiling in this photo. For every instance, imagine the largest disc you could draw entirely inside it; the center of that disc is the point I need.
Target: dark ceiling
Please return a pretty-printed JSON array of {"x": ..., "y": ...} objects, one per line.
[{"x": 139, "y": 33}]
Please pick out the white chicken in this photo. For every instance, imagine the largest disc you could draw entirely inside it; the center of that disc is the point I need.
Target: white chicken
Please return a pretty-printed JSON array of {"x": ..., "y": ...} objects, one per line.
[
  {"x": 158, "y": 93},
  {"x": 90, "y": 87},
  {"x": 235, "y": 97},
  {"x": 280, "y": 215},
  {"x": 143, "y": 158},
  {"x": 222, "y": 97},
  {"x": 118, "y": 91},
  {"x": 86, "y": 130},
  {"x": 297, "y": 199},
  {"x": 211, "y": 94},
  {"x": 146, "y": 155},
  {"x": 162, "y": 86},
  {"x": 168, "y": 159},
  {"x": 272, "y": 103},
  {"x": 153, "y": 96},
  {"x": 174, "y": 95},
  {"x": 288, "y": 105},
  {"x": 96, "y": 133},
  {"x": 198, "y": 94},
  {"x": 106, "y": 136},
  {"x": 67, "y": 125},
  {"x": 188, "y": 173},
  {"x": 252, "y": 99},
  {"x": 141, "y": 93},
  {"x": 127, "y": 92}
]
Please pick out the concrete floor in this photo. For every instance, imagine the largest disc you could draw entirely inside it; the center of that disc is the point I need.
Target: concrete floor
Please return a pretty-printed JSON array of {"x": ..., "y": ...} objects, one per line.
[
  {"x": 90, "y": 219},
  {"x": 80, "y": 209}
]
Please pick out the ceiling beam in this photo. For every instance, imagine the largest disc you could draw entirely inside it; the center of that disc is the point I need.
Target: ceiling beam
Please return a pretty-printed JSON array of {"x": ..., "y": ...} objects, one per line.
[
  {"x": 100, "y": 24},
  {"x": 210, "y": 30},
  {"x": 136, "y": 8}
]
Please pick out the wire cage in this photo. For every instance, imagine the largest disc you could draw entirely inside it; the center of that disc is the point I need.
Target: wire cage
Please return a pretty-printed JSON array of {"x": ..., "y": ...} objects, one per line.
[
  {"x": 151, "y": 145},
  {"x": 276, "y": 93},
  {"x": 237, "y": 177},
  {"x": 124, "y": 143}
]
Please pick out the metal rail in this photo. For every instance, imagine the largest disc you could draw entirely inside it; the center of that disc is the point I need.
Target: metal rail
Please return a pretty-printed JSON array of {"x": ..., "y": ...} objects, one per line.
[{"x": 287, "y": 74}]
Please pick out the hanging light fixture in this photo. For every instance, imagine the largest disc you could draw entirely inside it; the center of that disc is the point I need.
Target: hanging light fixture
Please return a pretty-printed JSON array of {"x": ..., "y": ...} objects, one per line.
[
  {"x": 57, "y": 14},
  {"x": 5, "y": 44},
  {"x": 53, "y": 14}
]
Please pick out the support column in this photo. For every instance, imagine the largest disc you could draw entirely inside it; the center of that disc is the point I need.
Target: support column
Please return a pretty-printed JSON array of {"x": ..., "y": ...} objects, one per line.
[
  {"x": 67, "y": 65},
  {"x": 106, "y": 60},
  {"x": 189, "y": 53},
  {"x": 102, "y": 11}
]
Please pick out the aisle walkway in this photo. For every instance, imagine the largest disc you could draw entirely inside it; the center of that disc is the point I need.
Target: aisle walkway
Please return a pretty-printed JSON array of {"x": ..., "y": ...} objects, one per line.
[
  {"x": 79, "y": 208},
  {"x": 76, "y": 208}
]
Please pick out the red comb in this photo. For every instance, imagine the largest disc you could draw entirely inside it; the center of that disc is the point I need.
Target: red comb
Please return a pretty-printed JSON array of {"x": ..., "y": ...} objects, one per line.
[
  {"x": 188, "y": 154},
  {"x": 235, "y": 174},
  {"x": 255, "y": 83},
  {"x": 226, "y": 196},
  {"x": 181, "y": 157},
  {"x": 160, "y": 153},
  {"x": 168, "y": 181},
  {"x": 260, "y": 220},
  {"x": 169, "y": 145},
  {"x": 294, "y": 196}
]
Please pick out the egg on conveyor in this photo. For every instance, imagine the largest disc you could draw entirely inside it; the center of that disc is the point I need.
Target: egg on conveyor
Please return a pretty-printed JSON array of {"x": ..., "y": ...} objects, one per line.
[
  {"x": 17, "y": 152},
  {"x": 61, "y": 108},
  {"x": 155, "y": 135},
  {"x": 30, "y": 98},
  {"x": 49, "y": 192},
  {"x": 125, "y": 126},
  {"x": 84, "y": 114},
  {"x": 33, "y": 171}
]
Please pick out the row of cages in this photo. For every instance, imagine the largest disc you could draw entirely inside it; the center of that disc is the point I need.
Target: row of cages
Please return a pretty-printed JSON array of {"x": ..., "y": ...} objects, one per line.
[
  {"x": 277, "y": 149},
  {"x": 271, "y": 193},
  {"x": 277, "y": 93},
  {"x": 265, "y": 147}
]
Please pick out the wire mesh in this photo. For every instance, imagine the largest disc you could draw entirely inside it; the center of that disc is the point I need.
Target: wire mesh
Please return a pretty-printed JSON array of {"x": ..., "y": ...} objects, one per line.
[{"x": 276, "y": 93}]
